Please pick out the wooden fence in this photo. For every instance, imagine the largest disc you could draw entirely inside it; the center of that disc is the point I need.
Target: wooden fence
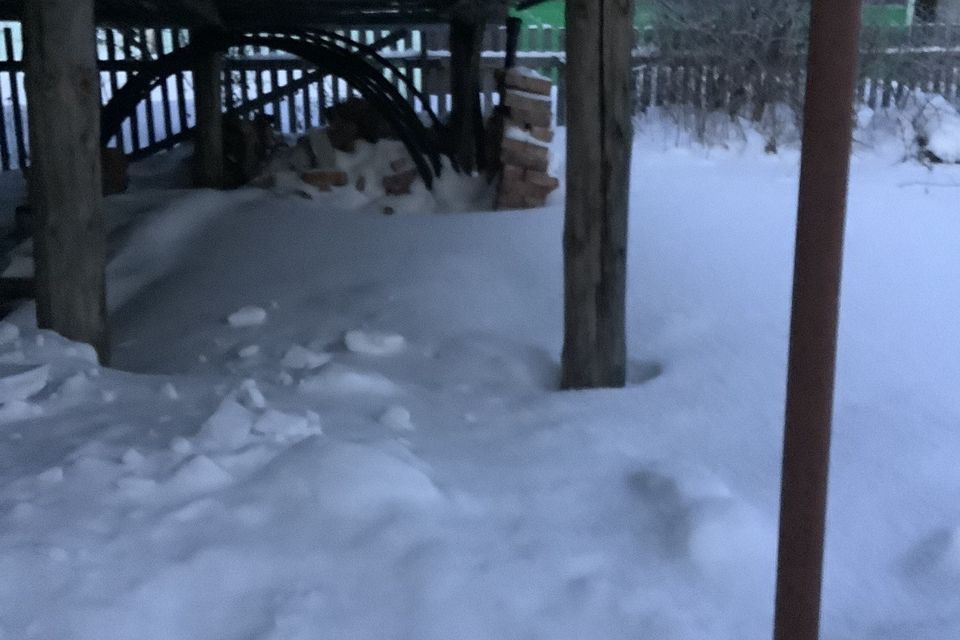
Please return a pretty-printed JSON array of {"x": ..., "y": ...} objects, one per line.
[{"x": 289, "y": 90}]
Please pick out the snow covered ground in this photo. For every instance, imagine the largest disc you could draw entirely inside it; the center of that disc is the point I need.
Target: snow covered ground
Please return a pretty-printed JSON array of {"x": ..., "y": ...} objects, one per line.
[{"x": 330, "y": 423}]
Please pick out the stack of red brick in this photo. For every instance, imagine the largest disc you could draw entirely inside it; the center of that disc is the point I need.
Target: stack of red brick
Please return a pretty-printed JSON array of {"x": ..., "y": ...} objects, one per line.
[{"x": 524, "y": 151}]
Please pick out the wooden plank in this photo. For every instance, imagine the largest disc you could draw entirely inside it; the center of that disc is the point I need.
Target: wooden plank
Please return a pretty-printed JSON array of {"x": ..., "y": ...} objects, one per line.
[
  {"x": 599, "y": 139},
  {"x": 4, "y": 142},
  {"x": 150, "y": 116},
  {"x": 111, "y": 43},
  {"x": 229, "y": 87},
  {"x": 259, "y": 82},
  {"x": 291, "y": 103},
  {"x": 135, "y": 117},
  {"x": 274, "y": 81},
  {"x": 165, "y": 90},
  {"x": 65, "y": 187},
  {"x": 18, "y": 128},
  {"x": 181, "y": 85}
]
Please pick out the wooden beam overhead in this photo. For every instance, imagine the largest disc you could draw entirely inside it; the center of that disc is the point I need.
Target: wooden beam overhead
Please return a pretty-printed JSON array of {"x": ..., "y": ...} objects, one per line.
[{"x": 267, "y": 14}]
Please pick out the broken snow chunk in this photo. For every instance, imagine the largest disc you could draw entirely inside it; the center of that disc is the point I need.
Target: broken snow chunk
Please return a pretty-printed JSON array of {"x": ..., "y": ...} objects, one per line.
[
  {"x": 397, "y": 418},
  {"x": 8, "y": 332},
  {"x": 23, "y": 510},
  {"x": 181, "y": 445},
  {"x": 21, "y": 382},
  {"x": 228, "y": 428},
  {"x": 199, "y": 473},
  {"x": 132, "y": 458},
  {"x": 170, "y": 392},
  {"x": 286, "y": 428},
  {"x": 251, "y": 396},
  {"x": 133, "y": 487},
  {"x": 298, "y": 357},
  {"x": 18, "y": 410},
  {"x": 58, "y": 554},
  {"x": 74, "y": 386},
  {"x": 52, "y": 475},
  {"x": 250, "y": 351},
  {"x": 247, "y": 317},
  {"x": 13, "y": 357},
  {"x": 338, "y": 380},
  {"x": 374, "y": 343}
]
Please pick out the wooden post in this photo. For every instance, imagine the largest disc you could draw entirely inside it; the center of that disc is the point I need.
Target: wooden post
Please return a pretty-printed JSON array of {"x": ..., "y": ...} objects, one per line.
[
  {"x": 63, "y": 96},
  {"x": 208, "y": 100},
  {"x": 599, "y": 139},
  {"x": 824, "y": 167},
  {"x": 465, "y": 38}
]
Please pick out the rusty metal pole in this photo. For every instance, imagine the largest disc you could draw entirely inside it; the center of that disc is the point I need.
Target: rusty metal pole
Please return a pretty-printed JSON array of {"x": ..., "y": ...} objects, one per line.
[{"x": 824, "y": 169}]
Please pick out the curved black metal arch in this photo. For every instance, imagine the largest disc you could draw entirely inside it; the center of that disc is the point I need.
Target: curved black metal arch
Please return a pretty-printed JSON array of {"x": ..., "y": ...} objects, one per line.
[{"x": 333, "y": 54}]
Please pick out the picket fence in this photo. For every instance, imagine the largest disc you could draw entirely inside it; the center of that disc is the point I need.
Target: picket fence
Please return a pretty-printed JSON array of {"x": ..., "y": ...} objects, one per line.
[{"x": 284, "y": 87}]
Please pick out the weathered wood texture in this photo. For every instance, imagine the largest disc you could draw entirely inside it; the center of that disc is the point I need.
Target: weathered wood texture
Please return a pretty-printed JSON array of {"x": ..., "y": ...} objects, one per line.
[
  {"x": 210, "y": 169},
  {"x": 465, "y": 39},
  {"x": 64, "y": 111},
  {"x": 599, "y": 138}
]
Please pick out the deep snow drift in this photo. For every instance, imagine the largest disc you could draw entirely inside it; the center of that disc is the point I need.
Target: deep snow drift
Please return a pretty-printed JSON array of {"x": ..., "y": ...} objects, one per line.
[{"x": 348, "y": 429}]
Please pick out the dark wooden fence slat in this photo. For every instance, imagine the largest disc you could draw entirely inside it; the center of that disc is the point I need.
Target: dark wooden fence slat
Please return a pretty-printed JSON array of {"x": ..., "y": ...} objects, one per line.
[
  {"x": 891, "y": 71},
  {"x": 165, "y": 85},
  {"x": 4, "y": 142},
  {"x": 274, "y": 80},
  {"x": 135, "y": 118},
  {"x": 145, "y": 41},
  {"x": 178, "y": 43},
  {"x": 291, "y": 104},
  {"x": 18, "y": 115}
]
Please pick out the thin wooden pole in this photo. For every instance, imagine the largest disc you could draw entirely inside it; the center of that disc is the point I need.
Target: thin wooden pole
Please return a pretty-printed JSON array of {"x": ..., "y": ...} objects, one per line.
[
  {"x": 599, "y": 37},
  {"x": 65, "y": 188},
  {"x": 207, "y": 87},
  {"x": 465, "y": 40},
  {"x": 824, "y": 170}
]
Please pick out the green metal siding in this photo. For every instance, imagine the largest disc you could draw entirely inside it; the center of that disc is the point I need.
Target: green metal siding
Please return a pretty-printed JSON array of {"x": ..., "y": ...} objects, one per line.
[{"x": 552, "y": 14}]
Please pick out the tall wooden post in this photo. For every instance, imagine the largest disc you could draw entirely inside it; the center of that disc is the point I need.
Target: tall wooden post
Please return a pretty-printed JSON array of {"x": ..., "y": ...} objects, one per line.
[
  {"x": 208, "y": 98},
  {"x": 599, "y": 141},
  {"x": 824, "y": 167},
  {"x": 466, "y": 36},
  {"x": 63, "y": 95}
]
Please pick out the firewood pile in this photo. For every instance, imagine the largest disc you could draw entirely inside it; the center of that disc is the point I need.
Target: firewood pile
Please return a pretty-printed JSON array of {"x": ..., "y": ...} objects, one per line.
[
  {"x": 524, "y": 150},
  {"x": 260, "y": 155}
]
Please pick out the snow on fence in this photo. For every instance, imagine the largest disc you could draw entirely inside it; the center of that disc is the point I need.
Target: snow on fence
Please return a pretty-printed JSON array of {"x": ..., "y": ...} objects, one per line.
[{"x": 895, "y": 61}]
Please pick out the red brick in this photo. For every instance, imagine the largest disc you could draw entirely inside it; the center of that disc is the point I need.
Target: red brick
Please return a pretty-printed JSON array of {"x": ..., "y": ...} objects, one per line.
[
  {"x": 529, "y": 119},
  {"x": 540, "y": 86},
  {"x": 541, "y": 179},
  {"x": 323, "y": 180}
]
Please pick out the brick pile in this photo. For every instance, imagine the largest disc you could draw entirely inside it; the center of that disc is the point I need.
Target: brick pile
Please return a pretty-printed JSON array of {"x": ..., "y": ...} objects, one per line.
[{"x": 524, "y": 150}]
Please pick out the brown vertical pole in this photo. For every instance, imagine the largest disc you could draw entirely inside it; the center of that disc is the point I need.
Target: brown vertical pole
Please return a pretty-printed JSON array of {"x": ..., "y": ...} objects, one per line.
[
  {"x": 599, "y": 143},
  {"x": 824, "y": 169},
  {"x": 208, "y": 99},
  {"x": 63, "y": 99}
]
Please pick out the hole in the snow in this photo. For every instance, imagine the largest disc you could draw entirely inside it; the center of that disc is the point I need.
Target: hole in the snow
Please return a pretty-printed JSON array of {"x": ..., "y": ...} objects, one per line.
[{"x": 641, "y": 372}]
